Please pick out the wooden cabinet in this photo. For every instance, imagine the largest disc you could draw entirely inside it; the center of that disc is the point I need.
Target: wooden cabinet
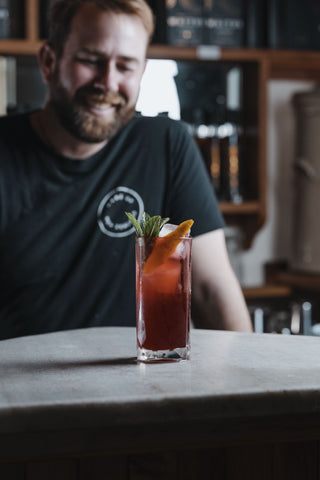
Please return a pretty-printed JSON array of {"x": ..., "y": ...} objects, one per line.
[
  {"x": 258, "y": 66},
  {"x": 31, "y": 43}
]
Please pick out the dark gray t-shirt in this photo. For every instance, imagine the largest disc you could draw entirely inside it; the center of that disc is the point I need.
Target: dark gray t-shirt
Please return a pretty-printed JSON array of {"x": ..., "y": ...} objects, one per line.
[{"x": 66, "y": 247}]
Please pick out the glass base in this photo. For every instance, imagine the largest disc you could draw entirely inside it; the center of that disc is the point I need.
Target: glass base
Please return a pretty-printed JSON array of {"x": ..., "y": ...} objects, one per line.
[{"x": 175, "y": 355}]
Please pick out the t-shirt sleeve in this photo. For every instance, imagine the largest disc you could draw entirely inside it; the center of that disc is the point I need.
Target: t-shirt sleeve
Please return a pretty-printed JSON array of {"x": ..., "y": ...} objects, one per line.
[{"x": 191, "y": 194}]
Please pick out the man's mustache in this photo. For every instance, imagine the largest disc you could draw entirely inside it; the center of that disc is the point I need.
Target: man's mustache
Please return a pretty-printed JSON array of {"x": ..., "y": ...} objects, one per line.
[{"x": 97, "y": 95}]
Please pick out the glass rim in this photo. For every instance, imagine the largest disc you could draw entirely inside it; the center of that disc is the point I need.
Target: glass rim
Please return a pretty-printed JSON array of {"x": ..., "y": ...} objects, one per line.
[{"x": 184, "y": 237}]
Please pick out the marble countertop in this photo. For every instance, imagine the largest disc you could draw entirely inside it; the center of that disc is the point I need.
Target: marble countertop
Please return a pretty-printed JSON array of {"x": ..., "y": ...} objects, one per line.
[{"x": 90, "y": 378}]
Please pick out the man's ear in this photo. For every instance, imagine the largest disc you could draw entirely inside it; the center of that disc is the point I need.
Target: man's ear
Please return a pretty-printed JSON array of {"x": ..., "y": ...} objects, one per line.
[{"x": 47, "y": 60}]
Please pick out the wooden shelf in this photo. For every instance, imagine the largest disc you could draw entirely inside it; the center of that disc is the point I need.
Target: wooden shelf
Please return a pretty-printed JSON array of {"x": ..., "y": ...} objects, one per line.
[
  {"x": 243, "y": 208},
  {"x": 282, "y": 64},
  {"x": 19, "y": 47},
  {"x": 205, "y": 53},
  {"x": 267, "y": 291},
  {"x": 294, "y": 64},
  {"x": 279, "y": 273}
]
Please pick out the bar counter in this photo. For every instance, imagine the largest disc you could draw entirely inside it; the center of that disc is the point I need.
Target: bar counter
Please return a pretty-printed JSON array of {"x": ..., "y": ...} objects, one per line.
[{"x": 77, "y": 404}]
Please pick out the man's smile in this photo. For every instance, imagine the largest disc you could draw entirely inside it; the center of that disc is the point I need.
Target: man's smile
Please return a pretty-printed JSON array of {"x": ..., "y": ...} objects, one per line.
[{"x": 102, "y": 104}]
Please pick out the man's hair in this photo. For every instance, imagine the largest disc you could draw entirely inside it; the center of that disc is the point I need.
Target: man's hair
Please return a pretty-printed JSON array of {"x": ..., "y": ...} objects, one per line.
[{"x": 61, "y": 14}]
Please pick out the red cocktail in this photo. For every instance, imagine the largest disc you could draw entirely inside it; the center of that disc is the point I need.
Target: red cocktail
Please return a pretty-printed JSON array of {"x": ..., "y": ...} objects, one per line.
[{"x": 163, "y": 300}]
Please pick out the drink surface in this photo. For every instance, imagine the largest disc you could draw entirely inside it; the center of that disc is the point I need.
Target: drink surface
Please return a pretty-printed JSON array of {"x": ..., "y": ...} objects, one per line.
[{"x": 164, "y": 300}]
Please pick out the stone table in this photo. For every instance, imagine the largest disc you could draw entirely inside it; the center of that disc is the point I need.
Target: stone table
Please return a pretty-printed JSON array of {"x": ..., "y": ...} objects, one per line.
[{"x": 77, "y": 404}]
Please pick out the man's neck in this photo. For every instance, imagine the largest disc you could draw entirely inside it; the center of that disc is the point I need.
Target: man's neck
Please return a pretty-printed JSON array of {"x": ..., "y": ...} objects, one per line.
[{"x": 45, "y": 122}]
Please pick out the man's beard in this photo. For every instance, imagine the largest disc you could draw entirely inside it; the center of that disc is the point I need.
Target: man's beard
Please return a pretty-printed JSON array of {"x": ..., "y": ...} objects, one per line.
[{"x": 83, "y": 125}]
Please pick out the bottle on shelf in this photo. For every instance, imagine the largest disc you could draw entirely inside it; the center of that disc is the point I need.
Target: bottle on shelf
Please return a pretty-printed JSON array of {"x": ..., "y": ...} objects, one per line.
[
  {"x": 4, "y": 19},
  {"x": 12, "y": 19},
  {"x": 218, "y": 142},
  {"x": 228, "y": 137}
]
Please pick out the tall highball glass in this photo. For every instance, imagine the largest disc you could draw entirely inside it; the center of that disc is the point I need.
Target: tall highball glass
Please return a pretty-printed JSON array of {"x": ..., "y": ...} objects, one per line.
[{"x": 163, "y": 302}]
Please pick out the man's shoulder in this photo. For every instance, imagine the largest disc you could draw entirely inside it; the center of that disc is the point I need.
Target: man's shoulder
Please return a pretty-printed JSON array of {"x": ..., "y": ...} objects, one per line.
[
  {"x": 159, "y": 123},
  {"x": 12, "y": 124},
  {"x": 14, "y": 118}
]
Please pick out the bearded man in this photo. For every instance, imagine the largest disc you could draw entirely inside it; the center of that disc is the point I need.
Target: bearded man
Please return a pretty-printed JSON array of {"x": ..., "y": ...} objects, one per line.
[{"x": 70, "y": 171}]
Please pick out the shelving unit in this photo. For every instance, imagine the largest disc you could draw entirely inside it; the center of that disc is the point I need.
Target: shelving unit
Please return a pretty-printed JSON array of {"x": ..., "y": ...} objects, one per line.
[
  {"x": 259, "y": 66},
  {"x": 280, "y": 273}
]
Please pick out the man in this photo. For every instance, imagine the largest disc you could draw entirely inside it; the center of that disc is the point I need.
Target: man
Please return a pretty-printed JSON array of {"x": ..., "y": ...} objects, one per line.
[{"x": 70, "y": 171}]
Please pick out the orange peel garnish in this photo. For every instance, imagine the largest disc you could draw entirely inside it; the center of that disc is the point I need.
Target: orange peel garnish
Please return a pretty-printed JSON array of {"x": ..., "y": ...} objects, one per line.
[{"x": 165, "y": 246}]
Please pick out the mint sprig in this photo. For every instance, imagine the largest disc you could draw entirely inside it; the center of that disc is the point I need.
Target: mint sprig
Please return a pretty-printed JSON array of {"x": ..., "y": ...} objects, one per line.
[{"x": 148, "y": 226}]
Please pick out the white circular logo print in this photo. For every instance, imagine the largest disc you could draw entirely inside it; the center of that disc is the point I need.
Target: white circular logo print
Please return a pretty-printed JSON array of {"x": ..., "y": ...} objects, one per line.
[{"x": 112, "y": 219}]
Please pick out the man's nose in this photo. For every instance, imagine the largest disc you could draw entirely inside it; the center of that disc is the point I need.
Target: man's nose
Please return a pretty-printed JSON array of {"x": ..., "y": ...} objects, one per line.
[{"x": 108, "y": 77}]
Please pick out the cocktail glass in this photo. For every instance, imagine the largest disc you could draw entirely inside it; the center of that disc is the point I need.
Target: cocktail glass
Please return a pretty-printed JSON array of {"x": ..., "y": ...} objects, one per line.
[{"x": 163, "y": 301}]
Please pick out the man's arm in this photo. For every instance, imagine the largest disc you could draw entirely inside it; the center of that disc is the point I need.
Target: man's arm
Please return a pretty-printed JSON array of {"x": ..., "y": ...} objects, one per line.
[{"x": 217, "y": 299}]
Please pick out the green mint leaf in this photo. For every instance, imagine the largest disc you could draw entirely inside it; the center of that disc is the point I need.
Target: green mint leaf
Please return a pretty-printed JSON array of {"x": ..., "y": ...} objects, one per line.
[
  {"x": 149, "y": 226},
  {"x": 144, "y": 221},
  {"x": 135, "y": 223}
]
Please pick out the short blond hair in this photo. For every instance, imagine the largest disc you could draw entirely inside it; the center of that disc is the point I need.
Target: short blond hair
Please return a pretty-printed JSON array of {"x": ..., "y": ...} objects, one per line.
[{"x": 62, "y": 12}]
